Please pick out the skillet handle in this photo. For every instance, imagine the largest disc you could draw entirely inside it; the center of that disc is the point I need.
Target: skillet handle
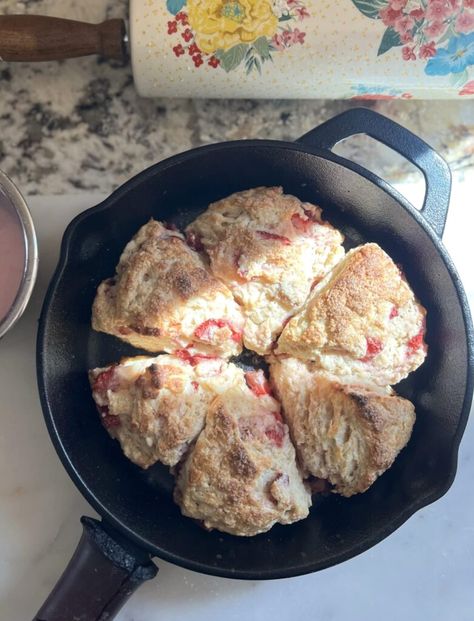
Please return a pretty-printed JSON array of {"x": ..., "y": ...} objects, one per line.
[
  {"x": 102, "y": 574},
  {"x": 364, "y": 121}
]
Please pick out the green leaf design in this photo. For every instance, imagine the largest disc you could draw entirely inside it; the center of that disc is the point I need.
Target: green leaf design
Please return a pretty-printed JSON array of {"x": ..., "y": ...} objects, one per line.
[
  {"x": 459, "y": 79},
  {"x": 447, "y": 35},
  {"x": 285, "y": 18},
  {"x": 390, "y": 39},
  {"x": 231, "y": 59},
  {"x": 370, "y": 8},
  {"x": 262, "y": 47}
]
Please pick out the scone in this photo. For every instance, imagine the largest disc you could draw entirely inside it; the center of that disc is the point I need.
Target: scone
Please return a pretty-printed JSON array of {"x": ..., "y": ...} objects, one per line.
[
  {"x": 269, "y": 248},
  {"x": 155, "y": 407},
  {"x": 163, "y": 298},
  {"x": 344, "y": 432},
  {"x": 241, "y": 476},
  {"x": 361, "y": 320}
]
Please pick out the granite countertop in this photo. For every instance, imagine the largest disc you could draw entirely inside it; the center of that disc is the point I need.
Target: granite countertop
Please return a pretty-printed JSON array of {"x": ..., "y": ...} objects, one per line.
[{"x": 79, "y": 125}]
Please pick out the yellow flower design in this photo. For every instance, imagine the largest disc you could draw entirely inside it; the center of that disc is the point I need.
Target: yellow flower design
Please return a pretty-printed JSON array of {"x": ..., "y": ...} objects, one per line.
[{"x": 220, "y": 25}]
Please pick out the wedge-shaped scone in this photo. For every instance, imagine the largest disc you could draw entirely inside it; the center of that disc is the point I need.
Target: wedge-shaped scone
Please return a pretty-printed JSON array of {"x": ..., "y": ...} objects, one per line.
[
  {"x": 163, "y": 298},
  {"x": 241, "y": 475},
  {"x": 269, "y": 248},
  {"x": 361, "y": 320},
  {"x": 155, "y": 407},
  {"x": 344, "y": 432}
]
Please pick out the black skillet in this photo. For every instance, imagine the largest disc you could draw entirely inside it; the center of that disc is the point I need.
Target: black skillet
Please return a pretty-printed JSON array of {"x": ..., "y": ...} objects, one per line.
[{"x": 140, "y": 519}]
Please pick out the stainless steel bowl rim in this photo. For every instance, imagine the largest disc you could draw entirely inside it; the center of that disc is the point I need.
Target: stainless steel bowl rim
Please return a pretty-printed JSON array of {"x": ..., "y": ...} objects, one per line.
[{"x": 31, "y": 254}]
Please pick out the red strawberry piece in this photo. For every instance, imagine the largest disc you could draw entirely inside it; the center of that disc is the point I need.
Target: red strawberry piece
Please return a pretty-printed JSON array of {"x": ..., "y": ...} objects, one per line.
[
  {"x": 274, "y": 236},
  {"x": 374, "y": 347},
  {"x": 205, "y": 331},
  {"x": 257, "y": 382},
  {"x": 302, "y": 225}
]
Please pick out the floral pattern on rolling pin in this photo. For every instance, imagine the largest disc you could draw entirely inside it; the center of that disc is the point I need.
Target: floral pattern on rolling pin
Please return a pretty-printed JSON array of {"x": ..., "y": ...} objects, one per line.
[
  {"x": 439, "y": 33},
  {"x": 241, "y": 34}
]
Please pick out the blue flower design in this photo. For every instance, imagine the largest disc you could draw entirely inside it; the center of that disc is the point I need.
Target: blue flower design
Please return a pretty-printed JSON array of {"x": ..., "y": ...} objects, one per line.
[
  {"x": 455, "y": 58},
  {"x": 365, "y": 89}
]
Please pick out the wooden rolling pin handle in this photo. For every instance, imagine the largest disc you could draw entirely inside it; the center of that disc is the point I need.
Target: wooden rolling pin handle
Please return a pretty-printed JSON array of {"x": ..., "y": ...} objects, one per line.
[{"x": 31, "y": 38}]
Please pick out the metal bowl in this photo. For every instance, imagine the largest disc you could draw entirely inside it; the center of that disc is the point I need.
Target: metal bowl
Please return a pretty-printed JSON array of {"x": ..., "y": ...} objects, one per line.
[{"x": 18, "y": 204}]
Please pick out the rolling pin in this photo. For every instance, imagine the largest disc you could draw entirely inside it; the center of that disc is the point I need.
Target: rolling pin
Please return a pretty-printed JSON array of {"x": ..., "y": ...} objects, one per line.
[{"x": 362, "y": 49}]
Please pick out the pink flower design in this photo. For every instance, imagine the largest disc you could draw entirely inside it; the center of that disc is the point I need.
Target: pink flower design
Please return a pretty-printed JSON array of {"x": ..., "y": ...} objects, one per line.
[
  {"x": 291, "y": 2},
  {"x": 438, "y": 10},
  {"x": 468, "y": 88},
  {"x": 404, "y": 24},
  {"x": 278, "y": 43},
  {"x": 406, "y": 37},
  {"x": 298, "y": 36},
  {"x": 427, "y": 51},
  {"x": 456, "y": 3},
  {"x": 197, "y": 59},
  {"x": 389, "y": 16},
  {"x": 434, "y": 30},
  {"x": 302, "y": 13},
  {"x": 465, "y": 22},
  {"x": 469, "y": 4},
  {"x": 397, "y": 5},
  {"x": 187, "y": 35},
  {"x": 417, "y": 13},
  {"x": 287, "y": 37},
  {"x": 182, "y": 17},
  {"x": 213, "y": 62},
  {"x": 178, "y": 50},
  {"x": 193, "y": 49},
  {"x": 408, "y": 53}
]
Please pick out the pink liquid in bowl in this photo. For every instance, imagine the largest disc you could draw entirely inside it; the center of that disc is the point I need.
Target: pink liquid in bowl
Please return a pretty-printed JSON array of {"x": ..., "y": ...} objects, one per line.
[{"x": 12, "y": 255}]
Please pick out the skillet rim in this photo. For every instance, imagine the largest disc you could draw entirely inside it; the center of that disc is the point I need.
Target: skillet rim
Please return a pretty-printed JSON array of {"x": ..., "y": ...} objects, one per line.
[{"x": 422, "y": 501}]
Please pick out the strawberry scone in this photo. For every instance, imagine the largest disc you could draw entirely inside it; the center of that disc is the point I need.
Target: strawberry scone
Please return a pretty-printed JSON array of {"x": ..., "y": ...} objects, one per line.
[
  {"x": 362, "y": 320},
  {"x": 269, "y": 249},
  {"x": 164, "y": 298}
]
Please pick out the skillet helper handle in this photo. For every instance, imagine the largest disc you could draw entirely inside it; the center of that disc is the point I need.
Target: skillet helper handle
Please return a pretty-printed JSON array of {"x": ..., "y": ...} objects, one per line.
[
  {"x": 102, "y": 574},
  {"x": 38, "y": 38},
  {"x": 364, "y": 121}
]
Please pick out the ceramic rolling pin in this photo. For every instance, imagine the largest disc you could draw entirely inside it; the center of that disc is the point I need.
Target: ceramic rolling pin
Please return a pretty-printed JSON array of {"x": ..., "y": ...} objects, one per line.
[{"x": 372, "y": 49}]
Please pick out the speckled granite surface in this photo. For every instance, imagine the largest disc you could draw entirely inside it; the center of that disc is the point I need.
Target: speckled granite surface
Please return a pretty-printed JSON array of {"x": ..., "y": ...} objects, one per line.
[{"x": 79, "y": 125}]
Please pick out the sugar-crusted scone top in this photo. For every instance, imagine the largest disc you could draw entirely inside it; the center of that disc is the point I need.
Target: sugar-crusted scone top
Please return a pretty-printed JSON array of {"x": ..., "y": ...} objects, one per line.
[
  {"x": 344, "y": 432},
  {"x": 163, "y": 298},
  {"x": 156, "y": 407},
  {"x": 241, "y": 475},
  {"x": 269, "y": 248},
  {"x": 362, "y": 320}
]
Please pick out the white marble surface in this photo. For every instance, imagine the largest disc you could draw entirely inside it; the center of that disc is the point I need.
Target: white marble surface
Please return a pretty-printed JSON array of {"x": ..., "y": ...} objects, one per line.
[
  {"x": 424, "y": 571},
  {"x": 79, "y": 125}
]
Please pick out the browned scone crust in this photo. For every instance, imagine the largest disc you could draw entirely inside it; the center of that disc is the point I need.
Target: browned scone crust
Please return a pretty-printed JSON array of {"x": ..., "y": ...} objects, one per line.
[
  {"x": 269, "y": 248},
  {"x": 241, "y": 476},
  {"x": 362, "y": 319},
  {"x": 155, "y": 407},
  {"x": 163, "y": 294},
  {"x": 344, "y": 432}
]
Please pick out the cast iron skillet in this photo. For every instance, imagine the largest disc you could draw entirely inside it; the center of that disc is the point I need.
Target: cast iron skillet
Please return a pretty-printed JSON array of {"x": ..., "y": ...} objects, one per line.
[{"x": 140, "y": 518}]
